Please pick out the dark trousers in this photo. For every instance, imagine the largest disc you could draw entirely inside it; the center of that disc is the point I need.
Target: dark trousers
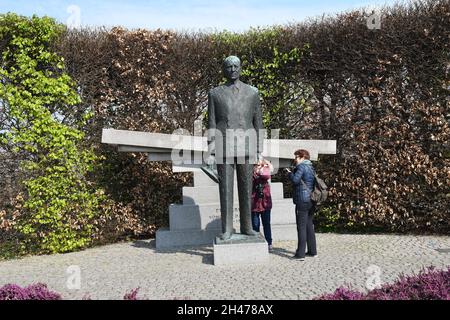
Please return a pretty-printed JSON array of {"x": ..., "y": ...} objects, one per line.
[
  {"x": 304, "y": 213},
  {"x": 265, "y": 217}
]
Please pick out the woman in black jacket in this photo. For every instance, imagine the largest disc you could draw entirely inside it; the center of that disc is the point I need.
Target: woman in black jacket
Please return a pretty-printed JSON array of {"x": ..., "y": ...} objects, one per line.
[{"x": 303, "y": 179}]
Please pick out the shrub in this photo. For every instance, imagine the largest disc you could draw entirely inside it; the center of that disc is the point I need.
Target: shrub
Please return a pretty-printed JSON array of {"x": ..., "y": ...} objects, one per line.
[
  {"x": 382, "y": 94},
  {"x": 429, "y": 284},
  {"x": 35, "y": 94},
  {"x": 132, "y": 295},
  {"x": 330, "y": 78},
  {"x": 37, "y": 291},
  {"x": 40, "y": 291}
]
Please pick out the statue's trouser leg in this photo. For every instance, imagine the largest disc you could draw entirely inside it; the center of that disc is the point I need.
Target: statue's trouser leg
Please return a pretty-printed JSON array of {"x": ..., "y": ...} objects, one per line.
[
  {"x": 226, "y": 174},
  {"x": 244, "y": 182}
]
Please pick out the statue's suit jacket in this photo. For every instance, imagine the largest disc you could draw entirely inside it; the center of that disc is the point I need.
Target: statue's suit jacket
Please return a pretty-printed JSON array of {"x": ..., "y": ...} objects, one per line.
[{"x": 234, "y": 107}]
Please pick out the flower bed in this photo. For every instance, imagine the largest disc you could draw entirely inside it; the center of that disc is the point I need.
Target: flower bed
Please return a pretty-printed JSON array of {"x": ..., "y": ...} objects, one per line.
[{"x": 429, "y": 284}]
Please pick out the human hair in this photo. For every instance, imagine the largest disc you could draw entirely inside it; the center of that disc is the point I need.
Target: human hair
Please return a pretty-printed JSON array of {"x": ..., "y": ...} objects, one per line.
[
  {"x": 264, "y": 163},
  {"x": 302, "y": 153}
]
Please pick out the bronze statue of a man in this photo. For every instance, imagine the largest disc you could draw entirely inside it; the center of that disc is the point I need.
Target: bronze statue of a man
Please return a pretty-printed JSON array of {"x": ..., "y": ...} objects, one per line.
[{"x": 235, "y": 124}]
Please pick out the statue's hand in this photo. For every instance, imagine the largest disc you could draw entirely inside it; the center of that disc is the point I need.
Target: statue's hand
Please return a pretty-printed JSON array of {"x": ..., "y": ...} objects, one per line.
[
  {"x": 210, "y": 160},
  {"x": 210, "y": 168}
]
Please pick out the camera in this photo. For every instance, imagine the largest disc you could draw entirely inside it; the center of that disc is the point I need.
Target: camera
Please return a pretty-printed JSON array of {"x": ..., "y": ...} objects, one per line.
[{"x": 260, "y": 190}]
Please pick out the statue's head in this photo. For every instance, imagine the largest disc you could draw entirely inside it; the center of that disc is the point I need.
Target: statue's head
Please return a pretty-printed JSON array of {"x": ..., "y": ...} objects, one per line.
[{"x": 232, "y": 68}]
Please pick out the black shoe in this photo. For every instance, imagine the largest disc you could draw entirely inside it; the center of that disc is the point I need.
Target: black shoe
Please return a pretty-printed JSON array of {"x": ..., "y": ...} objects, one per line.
[
  {"x": 311, "y": 255},
  {"x": 296, "y": 257}
]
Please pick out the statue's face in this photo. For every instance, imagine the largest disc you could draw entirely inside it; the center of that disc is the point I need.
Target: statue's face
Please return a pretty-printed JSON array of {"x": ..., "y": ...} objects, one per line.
[{"x": 232, "y": 70}]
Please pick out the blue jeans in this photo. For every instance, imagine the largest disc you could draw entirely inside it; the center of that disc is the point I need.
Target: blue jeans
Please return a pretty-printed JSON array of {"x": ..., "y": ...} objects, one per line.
[{"x": 265, "y": 217}]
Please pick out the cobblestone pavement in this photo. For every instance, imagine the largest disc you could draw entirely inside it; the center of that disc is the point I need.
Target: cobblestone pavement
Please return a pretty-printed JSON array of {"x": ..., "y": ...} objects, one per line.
[{"x": 109, "y": 272}]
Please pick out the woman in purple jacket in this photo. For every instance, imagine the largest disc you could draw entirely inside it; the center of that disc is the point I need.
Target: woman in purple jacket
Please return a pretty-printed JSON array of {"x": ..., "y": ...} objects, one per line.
[{"x": 262, "y": 199}]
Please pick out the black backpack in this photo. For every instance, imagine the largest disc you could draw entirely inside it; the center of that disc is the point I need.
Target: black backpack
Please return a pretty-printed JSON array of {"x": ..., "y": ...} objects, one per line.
[{"x": 320, "y": 191}]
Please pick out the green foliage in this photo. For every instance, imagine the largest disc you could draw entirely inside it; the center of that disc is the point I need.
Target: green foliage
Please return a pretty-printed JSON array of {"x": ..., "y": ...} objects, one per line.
[
  {"x": 9, "y": 250},
  {"x": 327, "y": 219},
  {"x": 35, "y": 94},
  {"x": 278, "y": 85}
]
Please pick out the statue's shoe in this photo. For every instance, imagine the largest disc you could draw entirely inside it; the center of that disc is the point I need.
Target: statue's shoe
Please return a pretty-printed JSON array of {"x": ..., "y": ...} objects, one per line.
[
  {"x": 226, "y": 236},
  {"x": 249, "y": 232}
]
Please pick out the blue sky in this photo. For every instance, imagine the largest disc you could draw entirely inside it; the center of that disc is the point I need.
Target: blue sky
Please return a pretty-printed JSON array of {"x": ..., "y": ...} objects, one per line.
[{"x": 235, "y": 15}]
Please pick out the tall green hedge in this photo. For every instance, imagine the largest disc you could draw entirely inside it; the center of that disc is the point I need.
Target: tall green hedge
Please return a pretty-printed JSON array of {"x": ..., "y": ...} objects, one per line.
[
  {"x": 35, "y": 93},
  {"x": 381, "y": 93}
]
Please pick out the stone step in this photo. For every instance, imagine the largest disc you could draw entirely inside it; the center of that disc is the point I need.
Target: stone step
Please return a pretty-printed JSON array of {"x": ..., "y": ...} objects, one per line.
[
  {"x": 210, "y": 194},
  {"x": 202, "y": 180},
  {"x": 169, "y": 239},
  {"x": 207, "y": 216}
]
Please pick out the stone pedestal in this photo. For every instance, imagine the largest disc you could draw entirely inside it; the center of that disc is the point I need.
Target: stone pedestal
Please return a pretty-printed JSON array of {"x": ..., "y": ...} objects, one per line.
[
  {"x": 240, "y": 249},
  {"x": 197, "y": 220}
]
